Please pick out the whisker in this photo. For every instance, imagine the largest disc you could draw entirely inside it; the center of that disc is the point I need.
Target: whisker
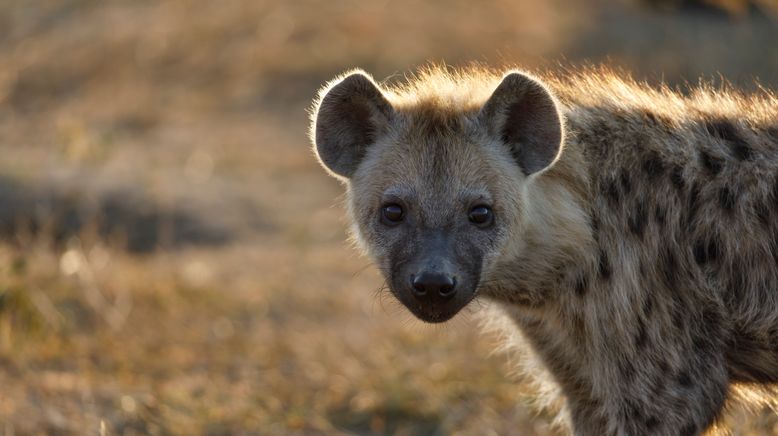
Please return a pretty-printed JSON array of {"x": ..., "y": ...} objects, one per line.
[
  {"x": 379, "y": 295},
  {"x": 361, "y": 270}
]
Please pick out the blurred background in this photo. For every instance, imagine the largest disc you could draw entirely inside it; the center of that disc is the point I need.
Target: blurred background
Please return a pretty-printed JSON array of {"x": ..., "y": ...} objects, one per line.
[{"x": 174, "y": 261}]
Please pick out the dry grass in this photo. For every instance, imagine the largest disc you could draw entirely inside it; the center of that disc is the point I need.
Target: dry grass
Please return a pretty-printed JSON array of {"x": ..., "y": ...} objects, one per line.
[{"x": 172, "y": 258}]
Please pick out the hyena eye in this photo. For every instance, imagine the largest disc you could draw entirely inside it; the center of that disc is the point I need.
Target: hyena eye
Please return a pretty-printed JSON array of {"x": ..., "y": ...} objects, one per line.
[
  {"x": 481, "y": 216},
  {"x": 392, "y": 214}
]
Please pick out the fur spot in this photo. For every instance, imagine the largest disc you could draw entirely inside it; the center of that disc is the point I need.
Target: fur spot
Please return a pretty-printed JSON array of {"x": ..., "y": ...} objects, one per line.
[
  {"x": 581, "y": 285},
  {"x": 611, "y": 191},
  {"x": 712, "y": 320},
  {"x": 669, "y": 270},
  {"x": 634, "y": 410},
  {"x": 596, "y": 226},
  {"x": 641, "y": 338},
  {"x": 705, "y": 251},
  {"x": 737, "y": 285},
  {"x": 627, "y": 370},
  {"x": 774, "y": 341},
  {"x": 693, "y": 203},
  {"x": 728, "y": 131},
  {"x": 637, "y": 219},
  {"x": 660, "y": 215},
  {"x": 704, "y": 345},
  {"x": 775, "y": 191},
  {"x": 676, "y": 177},
  {"x": 599, "y": 148},
  {"x": 727, "y": 199},
  {"x": 762, "y": 213},
  {"x": 774, "y": 249},
  {"x": 689, "y": 430},
  {"x": 712, "y": 164},
  {"x": 653, "y": 166},
  {"x": 578, "y": 324},
  {"x": 741, "y": 151},
  {"x": 679, "y": 316},
  {"x": 684, "y": 379},
  {"x": 604, "y": 265},
  {"x": 648, "y": 305},
  {"x": 651, "y": 422},
  {"x": 626, "y": 183}
]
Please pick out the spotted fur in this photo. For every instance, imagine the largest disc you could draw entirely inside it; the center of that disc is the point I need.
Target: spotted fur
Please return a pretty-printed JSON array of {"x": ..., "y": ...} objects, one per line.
[{"x": 640, "y": 267}]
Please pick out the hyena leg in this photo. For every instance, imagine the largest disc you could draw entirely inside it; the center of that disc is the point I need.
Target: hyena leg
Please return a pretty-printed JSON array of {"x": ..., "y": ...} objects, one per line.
[{"x": 656, "y": 398}]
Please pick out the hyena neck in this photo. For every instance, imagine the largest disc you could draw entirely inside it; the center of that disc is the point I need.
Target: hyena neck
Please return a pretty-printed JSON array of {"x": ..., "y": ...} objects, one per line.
[{"x": 558, "y": 236}]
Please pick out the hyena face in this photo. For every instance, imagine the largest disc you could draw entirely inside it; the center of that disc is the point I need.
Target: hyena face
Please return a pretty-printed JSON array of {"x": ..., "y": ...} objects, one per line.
[
  {"x": 435, "y": 192},
  {"x": 427, "y": 208}
]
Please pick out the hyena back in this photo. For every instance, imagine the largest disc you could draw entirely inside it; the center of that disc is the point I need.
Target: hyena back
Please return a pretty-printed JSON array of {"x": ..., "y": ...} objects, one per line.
[{"x": 630, "y": 233}]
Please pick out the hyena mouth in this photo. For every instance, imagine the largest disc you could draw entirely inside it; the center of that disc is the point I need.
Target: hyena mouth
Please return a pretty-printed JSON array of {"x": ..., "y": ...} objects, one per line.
[
  {"x": 434, "y": 315},
  {"x": 433, "y": 308}
]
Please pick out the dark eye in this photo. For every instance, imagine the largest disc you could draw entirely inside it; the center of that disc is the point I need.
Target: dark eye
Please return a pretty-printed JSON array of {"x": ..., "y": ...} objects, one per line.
[
  {"x": 481, "y": 216},
  {"x": 392, "y": 213}
]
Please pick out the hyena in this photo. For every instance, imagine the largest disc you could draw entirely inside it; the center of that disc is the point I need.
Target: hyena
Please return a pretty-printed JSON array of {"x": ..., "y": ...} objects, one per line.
[{"x": 629, "y": 232}]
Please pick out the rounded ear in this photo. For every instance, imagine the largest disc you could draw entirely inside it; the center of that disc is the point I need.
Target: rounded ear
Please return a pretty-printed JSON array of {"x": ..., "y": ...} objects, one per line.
[
  {"x": 523, "y": 114},
  {"x": 348, "y": 118}
]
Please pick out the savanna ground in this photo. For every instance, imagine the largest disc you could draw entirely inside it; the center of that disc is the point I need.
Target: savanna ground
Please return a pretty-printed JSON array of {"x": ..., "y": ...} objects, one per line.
[{"x": 173, "y": 260}]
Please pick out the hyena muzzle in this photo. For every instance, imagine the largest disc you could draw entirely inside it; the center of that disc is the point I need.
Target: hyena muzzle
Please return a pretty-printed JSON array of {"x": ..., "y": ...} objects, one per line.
[{"x": 630, "y": 234}]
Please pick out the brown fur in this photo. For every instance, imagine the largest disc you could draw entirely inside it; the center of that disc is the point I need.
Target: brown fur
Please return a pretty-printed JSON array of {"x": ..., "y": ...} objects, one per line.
[{"x": 641, "y": 266}]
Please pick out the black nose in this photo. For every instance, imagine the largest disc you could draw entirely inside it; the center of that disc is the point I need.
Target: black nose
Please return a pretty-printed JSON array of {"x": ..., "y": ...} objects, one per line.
[{"x": 433, "y": 284}]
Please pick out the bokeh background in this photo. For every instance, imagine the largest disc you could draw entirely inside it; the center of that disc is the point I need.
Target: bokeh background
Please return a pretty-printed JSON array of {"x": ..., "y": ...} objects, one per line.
[{"x": 174, "y": 261}]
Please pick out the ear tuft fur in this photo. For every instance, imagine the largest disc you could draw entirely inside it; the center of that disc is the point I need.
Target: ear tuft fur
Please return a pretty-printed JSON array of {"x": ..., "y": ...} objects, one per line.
[
  {"x": 352, "y": 112},
  {"x": 523, "y": 114}
]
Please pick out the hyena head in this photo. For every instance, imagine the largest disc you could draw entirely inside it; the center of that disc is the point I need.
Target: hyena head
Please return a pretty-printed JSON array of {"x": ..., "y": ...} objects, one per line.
[{"x": 436, "y": 185}]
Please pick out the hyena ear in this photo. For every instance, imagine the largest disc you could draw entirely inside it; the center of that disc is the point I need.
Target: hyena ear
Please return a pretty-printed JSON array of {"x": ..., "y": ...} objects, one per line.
[
  {"x": 348, "y": 118},
  {"x": 523, "y": 114}
]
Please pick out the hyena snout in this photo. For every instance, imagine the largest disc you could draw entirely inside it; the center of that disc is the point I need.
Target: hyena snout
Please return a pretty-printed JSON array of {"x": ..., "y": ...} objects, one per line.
[
  {"x": 433, "y": 286},
  {"x": 433, "y": 291}
]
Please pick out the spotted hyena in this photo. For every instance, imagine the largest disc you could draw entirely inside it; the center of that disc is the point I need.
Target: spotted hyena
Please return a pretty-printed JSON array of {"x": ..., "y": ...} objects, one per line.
[{"x": 630, "y": 233}]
